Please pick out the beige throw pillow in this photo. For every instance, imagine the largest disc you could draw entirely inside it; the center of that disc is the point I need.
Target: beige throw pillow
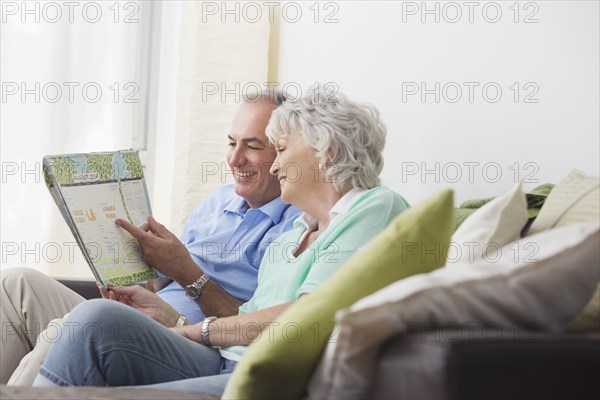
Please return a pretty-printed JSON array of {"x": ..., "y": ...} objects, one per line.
[
  {"x": 492, "y": 226},
  {"x": 575, "y": 199}
]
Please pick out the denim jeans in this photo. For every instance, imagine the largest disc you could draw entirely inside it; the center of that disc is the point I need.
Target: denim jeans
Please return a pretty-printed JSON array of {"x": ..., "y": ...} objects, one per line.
[{"x": 105, "y": 343}]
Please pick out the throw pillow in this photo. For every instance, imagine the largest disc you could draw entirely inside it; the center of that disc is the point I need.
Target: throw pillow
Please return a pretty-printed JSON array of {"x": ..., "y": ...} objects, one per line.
[
  {"x": 576, "y": 198},
  {"x": 490, "y": 227},
  {"x": 539, "y": 284},
  {"x": 281, "y": 362}
]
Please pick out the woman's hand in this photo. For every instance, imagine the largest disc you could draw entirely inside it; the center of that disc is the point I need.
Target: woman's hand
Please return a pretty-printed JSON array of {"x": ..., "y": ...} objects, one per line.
[
  {"x": 192, "y": 332},
  {"x": 144, "y": 301}
]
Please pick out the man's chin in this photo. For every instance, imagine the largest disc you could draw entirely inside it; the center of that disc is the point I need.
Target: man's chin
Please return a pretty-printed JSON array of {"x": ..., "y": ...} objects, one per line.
[
  {"x": 244, "y": 189},
  {"x": 240, "y": 189}
]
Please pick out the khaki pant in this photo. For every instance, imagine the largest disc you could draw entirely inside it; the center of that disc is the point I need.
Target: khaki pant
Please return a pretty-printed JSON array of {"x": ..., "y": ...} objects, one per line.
[{"x": 32, "y": 306}]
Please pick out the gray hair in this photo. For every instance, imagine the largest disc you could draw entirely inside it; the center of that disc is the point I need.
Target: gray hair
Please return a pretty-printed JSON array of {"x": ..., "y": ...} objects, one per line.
[
  {"x": 348, "y": 137},
  {"x": 267, "y": 95}
]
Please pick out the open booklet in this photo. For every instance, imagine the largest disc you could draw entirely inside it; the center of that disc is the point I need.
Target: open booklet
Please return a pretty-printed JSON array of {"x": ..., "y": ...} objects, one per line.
[{"x": 91, "y": 191}]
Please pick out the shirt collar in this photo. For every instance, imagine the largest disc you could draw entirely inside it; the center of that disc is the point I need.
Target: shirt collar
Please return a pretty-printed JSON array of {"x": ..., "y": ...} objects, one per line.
[
  {"x": 273, "y": 209},
  {"x": 340, "y": 208}
]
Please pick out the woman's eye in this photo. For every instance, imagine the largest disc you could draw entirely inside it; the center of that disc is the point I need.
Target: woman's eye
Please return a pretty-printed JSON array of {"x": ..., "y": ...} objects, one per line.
[{"x": 280, "y": 150}]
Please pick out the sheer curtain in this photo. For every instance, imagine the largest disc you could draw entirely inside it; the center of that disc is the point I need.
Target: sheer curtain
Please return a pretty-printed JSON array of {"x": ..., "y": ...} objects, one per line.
[
  {"x": 68, "y": 85},
  {"x": 190, "y": 127}
]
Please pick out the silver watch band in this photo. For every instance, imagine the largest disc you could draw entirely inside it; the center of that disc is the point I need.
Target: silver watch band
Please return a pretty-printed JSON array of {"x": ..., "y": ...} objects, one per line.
[
  {"x": 205, "y": 337},
  {"x": 194, "y": 290},
  {"x": 180, "y": 321}
]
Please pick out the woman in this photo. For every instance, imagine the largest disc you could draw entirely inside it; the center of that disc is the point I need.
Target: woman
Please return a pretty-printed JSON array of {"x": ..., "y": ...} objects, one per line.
[{"x": 328, "y": 163}]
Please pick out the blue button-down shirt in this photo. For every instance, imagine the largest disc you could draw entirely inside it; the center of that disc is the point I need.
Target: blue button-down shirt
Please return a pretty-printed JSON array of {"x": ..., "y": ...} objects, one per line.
[{"x": 227, "y": 239}]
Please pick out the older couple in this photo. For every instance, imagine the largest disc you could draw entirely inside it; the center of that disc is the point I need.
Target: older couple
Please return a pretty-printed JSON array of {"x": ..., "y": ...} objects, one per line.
[
  {"x": 329, "y": 156},
  {"x": 246, "y": 216}
]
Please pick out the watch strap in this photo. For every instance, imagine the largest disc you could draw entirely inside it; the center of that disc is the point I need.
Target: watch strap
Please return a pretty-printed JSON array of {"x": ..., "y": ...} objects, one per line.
[
  {"x": 180, "y": 321},
  {"x": 205, "y": 336}
]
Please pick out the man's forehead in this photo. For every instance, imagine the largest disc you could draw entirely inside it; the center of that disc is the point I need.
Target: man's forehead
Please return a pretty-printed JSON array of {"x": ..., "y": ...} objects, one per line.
[
  {"x": 262, "y": 139},
  {"x": 250, "y": 122}
]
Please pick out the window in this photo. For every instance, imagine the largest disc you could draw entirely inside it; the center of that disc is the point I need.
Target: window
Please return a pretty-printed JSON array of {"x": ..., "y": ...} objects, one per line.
[{"x": 75, "y": 77}]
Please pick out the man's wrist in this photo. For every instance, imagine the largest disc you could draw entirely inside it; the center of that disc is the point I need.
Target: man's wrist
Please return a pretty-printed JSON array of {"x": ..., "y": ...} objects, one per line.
[
  {"x": 194, "y": 289},
  {"x": 189, "y": 273}
]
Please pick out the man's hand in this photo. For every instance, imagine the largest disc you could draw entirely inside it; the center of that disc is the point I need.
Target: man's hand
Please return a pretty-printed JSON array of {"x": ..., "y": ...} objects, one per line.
[
  {"x": 166, "y": 253},
  {"x": 144, "y": 301},
  {"x": 163, "y": 250}
]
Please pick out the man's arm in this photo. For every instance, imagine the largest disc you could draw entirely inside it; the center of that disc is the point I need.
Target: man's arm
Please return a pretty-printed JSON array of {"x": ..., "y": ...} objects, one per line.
[{"x": 163, "y": 250}]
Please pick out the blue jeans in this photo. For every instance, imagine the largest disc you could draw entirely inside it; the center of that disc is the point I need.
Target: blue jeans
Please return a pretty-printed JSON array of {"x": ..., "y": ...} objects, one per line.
[{"x": 105, "y": 343}]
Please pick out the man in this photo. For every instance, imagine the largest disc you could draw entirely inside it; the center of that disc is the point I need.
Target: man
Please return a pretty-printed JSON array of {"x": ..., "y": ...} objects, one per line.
[{"x": 214, "y": 267}]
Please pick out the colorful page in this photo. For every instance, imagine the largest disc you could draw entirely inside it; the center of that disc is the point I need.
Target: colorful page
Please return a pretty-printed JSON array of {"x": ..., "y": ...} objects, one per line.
[{"x": 93, "y": 190}]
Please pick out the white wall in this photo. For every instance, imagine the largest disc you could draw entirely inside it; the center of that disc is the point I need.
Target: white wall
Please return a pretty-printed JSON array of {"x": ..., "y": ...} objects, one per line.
[{"x": 375, "y": 47}]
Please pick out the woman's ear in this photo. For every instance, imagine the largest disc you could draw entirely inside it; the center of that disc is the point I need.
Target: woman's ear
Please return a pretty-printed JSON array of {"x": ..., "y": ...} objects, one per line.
[{"x": 328, "y": 163}]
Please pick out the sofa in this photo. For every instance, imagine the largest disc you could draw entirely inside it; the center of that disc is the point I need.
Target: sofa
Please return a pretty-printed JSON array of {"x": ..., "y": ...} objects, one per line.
[
  {"x": 500, "y": 335},
  {"x": 530, "y": 364}
]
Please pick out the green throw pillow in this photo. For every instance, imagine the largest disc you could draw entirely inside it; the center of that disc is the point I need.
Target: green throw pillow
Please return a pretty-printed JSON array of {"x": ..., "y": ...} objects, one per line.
[{"x": 280, "y": 363}]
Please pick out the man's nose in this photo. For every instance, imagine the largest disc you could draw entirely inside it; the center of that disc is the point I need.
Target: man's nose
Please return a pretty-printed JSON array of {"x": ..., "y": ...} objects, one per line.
[{"x": 237, "y": 157}]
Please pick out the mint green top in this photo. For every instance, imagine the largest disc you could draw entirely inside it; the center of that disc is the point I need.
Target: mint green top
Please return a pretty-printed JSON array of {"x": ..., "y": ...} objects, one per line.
[{"x": 283, "y": 278}]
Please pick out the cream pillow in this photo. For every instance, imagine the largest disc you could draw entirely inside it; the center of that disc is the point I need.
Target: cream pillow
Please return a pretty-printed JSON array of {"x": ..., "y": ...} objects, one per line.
[
  {"x": 489, "y": 228},
  {"x": 575, "y": 199},
  {"x": 539, "y": 282}
]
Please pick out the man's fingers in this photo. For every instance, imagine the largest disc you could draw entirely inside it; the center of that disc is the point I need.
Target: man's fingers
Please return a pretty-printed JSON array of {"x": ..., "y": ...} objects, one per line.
[
  {"x": 157, "y": 227},
  {"x": 132, "y": 229}
]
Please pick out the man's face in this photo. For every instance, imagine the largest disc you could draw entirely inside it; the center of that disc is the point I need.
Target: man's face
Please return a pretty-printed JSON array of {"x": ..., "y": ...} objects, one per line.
[{"x": 250, "y": 154}]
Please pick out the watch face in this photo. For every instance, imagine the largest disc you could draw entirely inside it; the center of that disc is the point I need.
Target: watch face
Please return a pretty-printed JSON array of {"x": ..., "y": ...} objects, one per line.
[{"x": 192, "y": 292}]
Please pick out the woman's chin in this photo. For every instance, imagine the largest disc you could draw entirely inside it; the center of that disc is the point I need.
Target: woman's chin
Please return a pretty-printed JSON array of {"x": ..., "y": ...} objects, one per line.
[{"x": 286, "y": 198}]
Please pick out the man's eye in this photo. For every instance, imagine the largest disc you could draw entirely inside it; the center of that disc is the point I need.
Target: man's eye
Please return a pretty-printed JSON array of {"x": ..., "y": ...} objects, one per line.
[
  {"x": 254, "y": 148},
  {"x": 231, "y": 144}
]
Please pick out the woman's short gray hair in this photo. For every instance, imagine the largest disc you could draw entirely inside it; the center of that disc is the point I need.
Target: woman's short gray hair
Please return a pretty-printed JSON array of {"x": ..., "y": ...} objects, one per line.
[{"x": 348, "y": 137}]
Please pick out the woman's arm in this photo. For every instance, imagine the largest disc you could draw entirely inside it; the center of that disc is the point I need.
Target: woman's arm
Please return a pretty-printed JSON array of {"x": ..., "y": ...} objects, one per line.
[{"x": 235, "y": 330}]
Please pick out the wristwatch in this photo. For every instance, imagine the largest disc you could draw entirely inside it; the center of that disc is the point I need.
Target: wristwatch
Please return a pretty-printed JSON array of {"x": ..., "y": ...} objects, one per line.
[{"x": 193, "y": 291}]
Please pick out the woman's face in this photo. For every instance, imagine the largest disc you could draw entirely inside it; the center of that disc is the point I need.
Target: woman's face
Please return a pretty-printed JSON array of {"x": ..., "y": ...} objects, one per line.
[{"x": 297, "y": 169}]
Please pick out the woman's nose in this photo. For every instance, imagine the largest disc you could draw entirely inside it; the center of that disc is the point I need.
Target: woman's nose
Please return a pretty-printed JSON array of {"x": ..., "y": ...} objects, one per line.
[{"x": 274, "y": 170}]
